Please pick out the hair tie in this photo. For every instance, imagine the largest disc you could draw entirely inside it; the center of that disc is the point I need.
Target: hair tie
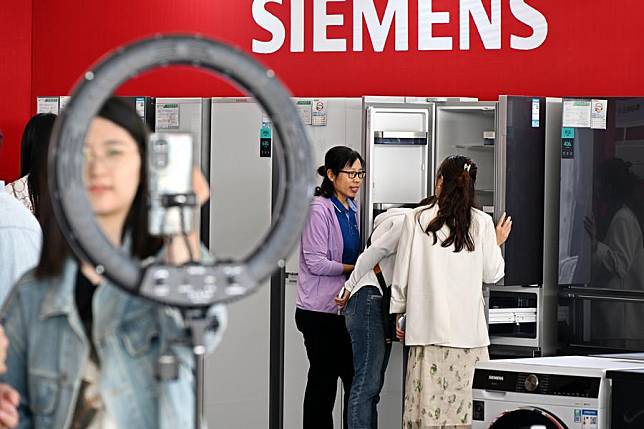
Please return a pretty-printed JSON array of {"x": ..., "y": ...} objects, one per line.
[{"x": 467, "y": 167}]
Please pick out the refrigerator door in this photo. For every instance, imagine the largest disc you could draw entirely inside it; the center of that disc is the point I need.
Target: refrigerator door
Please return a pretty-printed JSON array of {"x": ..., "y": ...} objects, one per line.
[
  {"x": 189, "y": 116},
  {"x": 145, "y": 108},
  {"x": 601, "y": 249},
  {"x": 520, "y": 164},
  {"x": 240, "y": 217},
  {"x": 398, "y": 150},
  {"x": 468, "y": 129}
]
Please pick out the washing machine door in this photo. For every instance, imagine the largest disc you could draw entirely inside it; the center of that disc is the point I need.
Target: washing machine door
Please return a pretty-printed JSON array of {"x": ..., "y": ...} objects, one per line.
[{"x": 526, "y": 418}]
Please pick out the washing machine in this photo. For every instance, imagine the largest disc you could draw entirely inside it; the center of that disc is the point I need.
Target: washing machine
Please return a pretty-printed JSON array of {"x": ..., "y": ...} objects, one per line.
[{"x": 563, "y": 392}]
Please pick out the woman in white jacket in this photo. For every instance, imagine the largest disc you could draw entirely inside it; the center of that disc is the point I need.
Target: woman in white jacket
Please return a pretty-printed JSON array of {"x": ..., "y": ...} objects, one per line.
[{"x": 447, "y": 251}]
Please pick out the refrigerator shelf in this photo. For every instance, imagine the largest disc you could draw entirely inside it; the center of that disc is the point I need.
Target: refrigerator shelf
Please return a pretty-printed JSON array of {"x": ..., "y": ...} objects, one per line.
[
  {"x": 475, "y": 146},
  {"x": 512, "y": 315}
]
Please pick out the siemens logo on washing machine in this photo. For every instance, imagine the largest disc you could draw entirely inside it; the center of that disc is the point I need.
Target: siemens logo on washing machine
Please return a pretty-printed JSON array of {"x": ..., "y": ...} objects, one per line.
[
  {"x": 495, "y": 377},
  {"x": 396, "y": 15}
]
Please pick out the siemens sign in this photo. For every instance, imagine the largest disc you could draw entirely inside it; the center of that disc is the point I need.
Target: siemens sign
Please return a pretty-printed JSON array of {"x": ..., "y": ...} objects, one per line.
[{"x": 397, "y": 11}]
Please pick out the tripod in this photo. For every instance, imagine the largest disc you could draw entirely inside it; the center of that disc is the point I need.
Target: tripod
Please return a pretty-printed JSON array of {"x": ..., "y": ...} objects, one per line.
[{"x": 198, "y": 323}]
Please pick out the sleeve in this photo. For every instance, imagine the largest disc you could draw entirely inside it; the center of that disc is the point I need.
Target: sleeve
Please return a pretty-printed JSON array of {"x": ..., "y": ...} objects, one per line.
[
  {"x": 384, "y": 246},
  {"x": 13, "y": 316},
  {"x": 20, "y": 250},
  {"x": 401, "y": 268},
  {"x": 315, "y": 242},
  {"x": 622, "y": 241},
  {"x": 493, "y": 263}
]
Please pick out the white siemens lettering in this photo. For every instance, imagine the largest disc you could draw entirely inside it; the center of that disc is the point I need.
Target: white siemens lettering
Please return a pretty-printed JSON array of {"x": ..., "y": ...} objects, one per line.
[
  {"x": 297, "y": 31},
  {"x": 532, "y": 18},
  {"x": 490, "y": 31},
  {"x": 396, "y": 16},
  {"x": 322, "y": 20},
  {"x": 270, "y": 23},
  {"x": 426, "y": 19},
  {"x": 380, "y": 31}
]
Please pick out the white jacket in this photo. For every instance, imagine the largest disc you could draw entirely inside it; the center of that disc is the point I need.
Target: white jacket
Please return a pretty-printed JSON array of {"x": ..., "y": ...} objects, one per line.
[
  {"x": 387, "y": 228},
  {"x": 440, "y": 290}
]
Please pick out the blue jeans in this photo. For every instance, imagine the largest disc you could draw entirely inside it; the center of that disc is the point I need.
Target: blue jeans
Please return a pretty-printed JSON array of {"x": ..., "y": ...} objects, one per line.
[{"x": 364, "y": 319}]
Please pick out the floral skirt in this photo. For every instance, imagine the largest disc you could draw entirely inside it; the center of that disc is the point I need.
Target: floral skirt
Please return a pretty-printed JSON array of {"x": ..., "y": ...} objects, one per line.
[{"x": 438, "y": 386}]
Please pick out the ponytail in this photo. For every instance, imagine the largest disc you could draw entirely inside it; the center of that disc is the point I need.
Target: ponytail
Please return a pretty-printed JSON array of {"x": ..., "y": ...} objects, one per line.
[
  {"x": 455, "y": 203},
  {"x": 326, "y": 188}
]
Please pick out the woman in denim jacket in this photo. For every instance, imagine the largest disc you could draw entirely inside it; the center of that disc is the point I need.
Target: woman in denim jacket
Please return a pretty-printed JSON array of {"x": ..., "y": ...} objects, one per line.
[{"x": 83, "y": 353}]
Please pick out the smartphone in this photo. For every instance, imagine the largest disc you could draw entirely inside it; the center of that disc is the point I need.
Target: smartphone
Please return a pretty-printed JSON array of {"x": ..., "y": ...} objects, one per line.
[
  {"x": 170, "y": 165},
  {"x": 401, "y": 322}
]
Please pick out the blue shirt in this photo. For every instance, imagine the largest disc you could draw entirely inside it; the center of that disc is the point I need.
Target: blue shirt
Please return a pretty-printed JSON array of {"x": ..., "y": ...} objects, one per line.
[
  {"x": 20, "y": 240},
  {"x": 350, "y": 232}
]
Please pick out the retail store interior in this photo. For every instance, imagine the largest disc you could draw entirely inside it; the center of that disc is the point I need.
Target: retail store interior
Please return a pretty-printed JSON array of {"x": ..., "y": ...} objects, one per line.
[{"x": 550, "y": 126}]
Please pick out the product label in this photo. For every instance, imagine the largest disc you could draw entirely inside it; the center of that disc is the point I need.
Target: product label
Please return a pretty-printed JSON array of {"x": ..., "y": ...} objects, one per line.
[
  {"x": 567, "y": 133},
  {"x": 535, "y": 113},
  {"x": 167, "y": 116},
  {"x": 305, "y": 109},
  {"x": 576, "y": 113},
  {"x": 589, "y": 419},
  {"x": 598, "y": 114},
  {"x": 318, "y": 115}
]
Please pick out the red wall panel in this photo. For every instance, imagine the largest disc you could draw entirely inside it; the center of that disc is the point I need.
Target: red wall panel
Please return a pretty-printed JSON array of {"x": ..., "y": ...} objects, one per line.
[
  {"x": 593, "y": 47},
  {"x": 15, "y": 81}
]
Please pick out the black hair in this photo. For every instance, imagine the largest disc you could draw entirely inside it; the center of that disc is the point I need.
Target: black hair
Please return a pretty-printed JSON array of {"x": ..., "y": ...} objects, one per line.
[
  {"x": 33, "y": 157},
  {"x": 336, "y": 159},
  {"x": 455, "y": 202},
  {"x": 55, "y": 250}
]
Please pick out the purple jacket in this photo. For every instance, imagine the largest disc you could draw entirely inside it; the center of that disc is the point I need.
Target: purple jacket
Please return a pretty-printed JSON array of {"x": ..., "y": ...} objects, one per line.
[{"x": 320, "y": 275}]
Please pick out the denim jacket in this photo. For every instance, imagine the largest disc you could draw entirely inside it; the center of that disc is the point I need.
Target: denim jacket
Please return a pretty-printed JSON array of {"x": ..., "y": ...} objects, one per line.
[{"x": 48, "y": 350}]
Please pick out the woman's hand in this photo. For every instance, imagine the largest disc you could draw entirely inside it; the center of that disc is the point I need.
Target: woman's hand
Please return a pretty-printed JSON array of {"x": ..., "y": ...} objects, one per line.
[
  {"x": 341, "y": 301},
  {"x": 400, "y": 334},
  {"x": 346, "y": 268},
  {"x": 177, "y": 252},
  {"x": 503, "y": 228},
  {"x": 9, "y": 401},
  {"x": 591, "y": 229}
]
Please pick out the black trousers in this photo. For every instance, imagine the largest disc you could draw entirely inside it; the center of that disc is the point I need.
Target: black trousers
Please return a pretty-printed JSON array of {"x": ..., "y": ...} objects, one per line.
[{"x": 328, "y": 347}]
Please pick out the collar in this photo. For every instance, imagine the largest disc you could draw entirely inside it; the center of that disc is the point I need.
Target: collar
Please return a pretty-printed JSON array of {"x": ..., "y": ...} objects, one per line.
[
  {"x": 59, "y": 300},
  {"x": 341, "y": 208}
]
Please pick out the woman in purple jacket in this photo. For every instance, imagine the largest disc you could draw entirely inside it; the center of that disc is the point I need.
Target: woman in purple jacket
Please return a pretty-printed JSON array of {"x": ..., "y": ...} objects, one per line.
[{"x": 329, "y": 249}]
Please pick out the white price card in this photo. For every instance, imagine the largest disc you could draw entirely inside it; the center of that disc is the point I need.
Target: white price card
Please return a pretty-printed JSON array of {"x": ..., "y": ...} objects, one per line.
[
  {"x": 47, "y": 105},
  {"x": 64, "y": 99},
  {"x": 576, "y": 113},
  {"x": 598, "y": 114},
  {"x": 319, "y": 112},
  {"x": 305, "y": 109},
  {"x": 167, "y": 116}
]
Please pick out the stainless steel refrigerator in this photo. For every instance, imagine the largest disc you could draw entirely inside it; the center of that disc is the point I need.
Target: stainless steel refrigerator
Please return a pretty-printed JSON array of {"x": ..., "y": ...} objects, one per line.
[
  {"x": 406, "y": 139},
  {"x": 145, "y": 106}
]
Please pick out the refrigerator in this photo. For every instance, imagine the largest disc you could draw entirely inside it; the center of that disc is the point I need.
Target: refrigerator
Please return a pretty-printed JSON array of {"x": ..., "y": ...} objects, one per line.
[
  {"x": 601, "y": 251},
  {"x": 189, "y": 116},
  {"x": 145, "y": 106},
  {"x": 406, "y": 139},
  {"x": 262, "y": 353}
]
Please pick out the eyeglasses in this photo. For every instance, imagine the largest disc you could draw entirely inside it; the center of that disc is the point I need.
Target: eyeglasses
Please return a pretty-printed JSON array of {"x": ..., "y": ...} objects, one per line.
[
  {"x": 109, "y": 157},
  {"x": 354, "y": 174}
]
